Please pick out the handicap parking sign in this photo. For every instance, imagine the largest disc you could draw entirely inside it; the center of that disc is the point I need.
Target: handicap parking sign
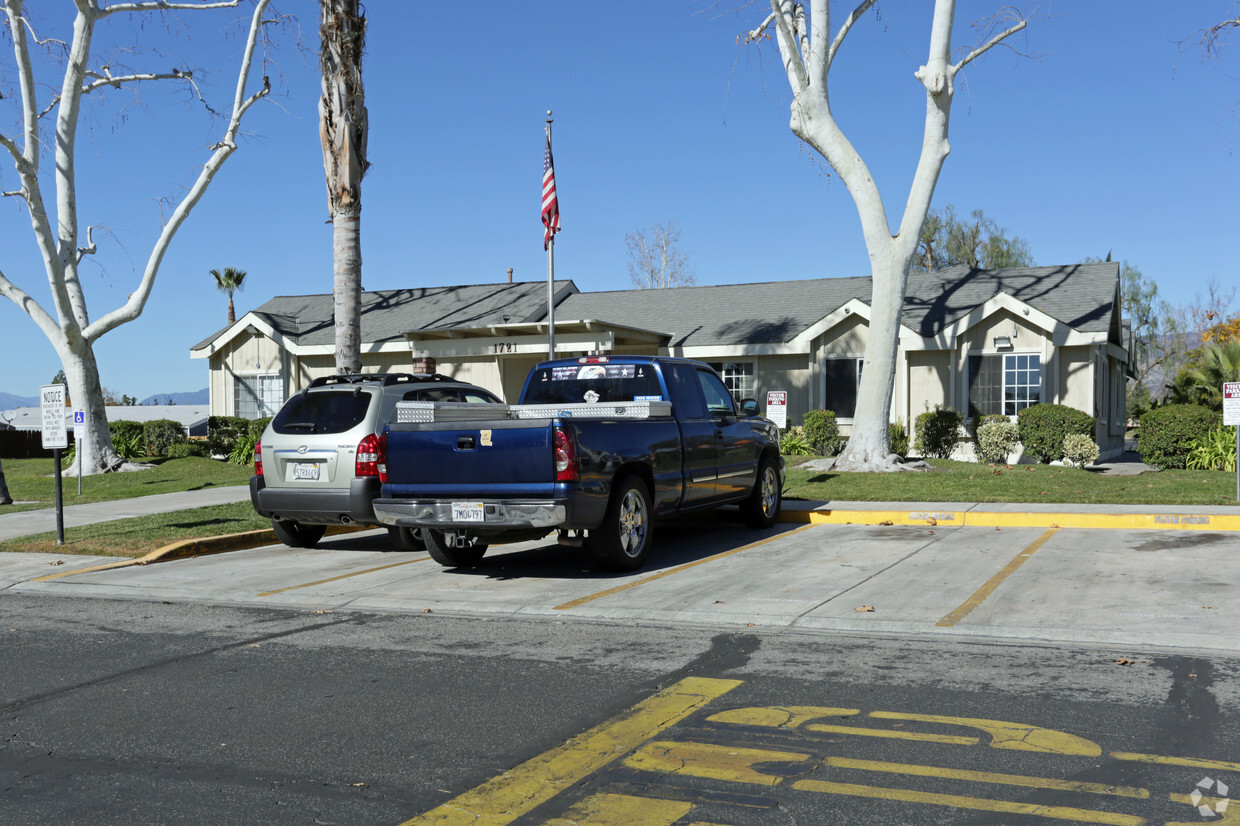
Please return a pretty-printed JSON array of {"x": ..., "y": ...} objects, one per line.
[{"x": 79, "y": 417}]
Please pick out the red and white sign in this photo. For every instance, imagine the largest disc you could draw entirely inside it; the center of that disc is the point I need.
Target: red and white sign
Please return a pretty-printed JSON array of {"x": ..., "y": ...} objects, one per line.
[
  {"x": 1231, "y": 402},
  {"x": 777, "y": 407}
]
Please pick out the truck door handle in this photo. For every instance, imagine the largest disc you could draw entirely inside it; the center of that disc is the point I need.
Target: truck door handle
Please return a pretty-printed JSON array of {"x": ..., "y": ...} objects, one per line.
[
  {"x": 464, "y": 442},
  {"x": 719, "y": 433}
]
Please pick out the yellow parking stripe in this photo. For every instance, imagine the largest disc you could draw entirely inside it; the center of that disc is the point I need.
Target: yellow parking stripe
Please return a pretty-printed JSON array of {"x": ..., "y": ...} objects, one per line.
[
  {"x": 987, "y": 777},
  {"x": 981, "y": 594},
  {"x": 975, "y": 803},
  {"x": 503, "y": 799},
  {"x": 1191, "y": 762},
  {"x": 590, "y": 598},
  {"x": 621, "y": 809},
  {"x": 343, "y": 576},
  {"x": 1005, "y": 735}
]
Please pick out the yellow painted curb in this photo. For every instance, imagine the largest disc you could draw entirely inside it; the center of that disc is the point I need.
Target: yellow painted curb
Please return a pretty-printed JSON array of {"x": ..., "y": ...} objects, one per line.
[
  {"x": 187, "y": 548},
  {"x": 1015, "y": 519}
]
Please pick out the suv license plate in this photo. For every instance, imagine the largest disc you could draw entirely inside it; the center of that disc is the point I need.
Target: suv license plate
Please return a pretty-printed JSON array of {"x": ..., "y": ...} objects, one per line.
[
  {"x": 467, "y": 512},
  {"x": 306, "y": 470}
]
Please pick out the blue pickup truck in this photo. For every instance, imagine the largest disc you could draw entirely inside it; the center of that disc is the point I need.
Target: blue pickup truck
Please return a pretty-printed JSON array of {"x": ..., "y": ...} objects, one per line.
[{"x": 597, "y": 449}]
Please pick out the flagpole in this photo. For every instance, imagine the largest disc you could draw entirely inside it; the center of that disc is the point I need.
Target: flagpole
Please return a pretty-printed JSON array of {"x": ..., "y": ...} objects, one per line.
[{"x": 550, "y": 272}]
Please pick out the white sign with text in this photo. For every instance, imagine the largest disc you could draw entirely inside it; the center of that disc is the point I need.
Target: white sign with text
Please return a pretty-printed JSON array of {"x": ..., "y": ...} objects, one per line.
[
  {"x": 777, "y": 407},
  {"x": 52, "y": 404},
  {"x": 1231, "y": 402}
]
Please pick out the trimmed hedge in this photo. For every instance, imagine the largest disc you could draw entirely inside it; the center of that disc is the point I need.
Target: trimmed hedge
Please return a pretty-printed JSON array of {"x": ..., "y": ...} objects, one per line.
[
  {"x": 997, "y": 437},
  {"x": 897, "y": 439},
  {"x": 1043, "y": 427},
  {"x": 936, "y": 432},
  {"x": 1168, "y": 433},
  {"x": 222, "y": 433},
  {"x": 822, "y": 432},
  {"x": 162, "y": 434}
]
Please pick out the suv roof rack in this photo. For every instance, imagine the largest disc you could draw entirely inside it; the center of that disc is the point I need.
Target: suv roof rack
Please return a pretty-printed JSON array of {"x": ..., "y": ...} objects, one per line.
[{"x": 384, "y": 379}]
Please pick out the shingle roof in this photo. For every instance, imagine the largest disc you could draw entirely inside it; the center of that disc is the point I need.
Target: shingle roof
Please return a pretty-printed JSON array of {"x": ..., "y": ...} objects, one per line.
[{"x": 1081, "y": 296}]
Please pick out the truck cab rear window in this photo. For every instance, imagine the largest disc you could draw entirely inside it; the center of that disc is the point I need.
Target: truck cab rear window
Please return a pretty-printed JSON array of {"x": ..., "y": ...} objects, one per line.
[
  {"x": 328, "y": 412},
  {"x": 593, "y": 384}
]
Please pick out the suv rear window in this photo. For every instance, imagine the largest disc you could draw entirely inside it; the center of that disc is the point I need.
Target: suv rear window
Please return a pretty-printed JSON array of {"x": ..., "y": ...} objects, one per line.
[
  {"x": 594, "y": 383},
  {"x": 327, "y": 412}
]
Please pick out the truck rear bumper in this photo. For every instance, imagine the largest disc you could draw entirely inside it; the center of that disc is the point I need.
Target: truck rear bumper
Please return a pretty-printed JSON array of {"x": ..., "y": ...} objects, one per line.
[{"x": 497, "y": 515}]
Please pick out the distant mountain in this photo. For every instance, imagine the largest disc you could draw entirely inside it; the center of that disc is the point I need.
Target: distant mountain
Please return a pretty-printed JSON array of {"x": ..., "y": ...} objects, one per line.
[
  {"x": 8, "y": 400},
  {"x": 202, "y": 396}
]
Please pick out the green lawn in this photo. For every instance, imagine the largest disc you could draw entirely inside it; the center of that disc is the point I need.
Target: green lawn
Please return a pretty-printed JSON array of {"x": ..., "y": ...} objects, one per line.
[{"x": 30, "y": 479}]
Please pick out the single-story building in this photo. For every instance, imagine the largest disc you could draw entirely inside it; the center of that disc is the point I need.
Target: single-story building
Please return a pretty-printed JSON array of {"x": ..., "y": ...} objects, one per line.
[
  {"x": 980, "y": 341},
  {"x": 192, "y": 417}
]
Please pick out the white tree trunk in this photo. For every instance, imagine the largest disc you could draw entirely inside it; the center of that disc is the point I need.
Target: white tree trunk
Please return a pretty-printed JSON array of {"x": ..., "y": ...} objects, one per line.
[
  {"x": 807, "y": 54},
  {"x": 68, "y": 325}
]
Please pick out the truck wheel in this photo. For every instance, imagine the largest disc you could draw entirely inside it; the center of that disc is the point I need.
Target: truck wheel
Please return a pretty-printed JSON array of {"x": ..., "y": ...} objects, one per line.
[
  {"x": 407, "y": 539},
  {"x": 762, "y": 506},
  {"x": 451, "y": 556},
  {"x": 297, "y": 535},
  {"x": 622, "y": 541}
]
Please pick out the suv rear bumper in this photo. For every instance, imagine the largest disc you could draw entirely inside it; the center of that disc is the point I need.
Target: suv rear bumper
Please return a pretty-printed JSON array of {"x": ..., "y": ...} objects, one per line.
[{"x": 318, "y": 507}]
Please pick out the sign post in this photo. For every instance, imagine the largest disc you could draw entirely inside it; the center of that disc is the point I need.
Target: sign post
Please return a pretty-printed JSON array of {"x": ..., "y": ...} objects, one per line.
[
  {"x": 1231, "y": 416},
  {"x": 777, "y": 407},
  {"x": 79, "y": 420},
  {"x": 56, "y": 437}
]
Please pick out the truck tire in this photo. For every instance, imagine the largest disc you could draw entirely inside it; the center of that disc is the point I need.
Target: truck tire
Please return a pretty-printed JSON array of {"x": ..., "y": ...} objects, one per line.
[
  {"x": 762, "y": 507},
  {"x": 297, "y": 535},
  {"x": 406, "y": 539},
  {"x": 450, "y": 556},
  {"x": 622, "y": 542}
]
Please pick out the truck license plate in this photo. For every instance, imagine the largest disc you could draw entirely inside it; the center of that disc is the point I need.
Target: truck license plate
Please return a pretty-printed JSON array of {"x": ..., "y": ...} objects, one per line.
[
  {"x": 467, "y": 512},
  {"x": 306, "y": 470}
]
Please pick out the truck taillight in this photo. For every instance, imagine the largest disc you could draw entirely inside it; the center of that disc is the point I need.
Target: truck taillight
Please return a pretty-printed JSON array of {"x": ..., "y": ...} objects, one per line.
[
  {"x": 381, "y": 462},
  {"x": 258, "y": 458},
  {"x": 565, "y": 456},
  {"x": 367, "y": 463}
]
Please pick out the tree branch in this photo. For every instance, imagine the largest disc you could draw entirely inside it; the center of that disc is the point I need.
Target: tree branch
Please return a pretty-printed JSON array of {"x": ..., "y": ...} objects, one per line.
[
  {"x": 845, "y": 27},
  {"x": 159, "y": 5},
  {"x": 994, "y": 41}
]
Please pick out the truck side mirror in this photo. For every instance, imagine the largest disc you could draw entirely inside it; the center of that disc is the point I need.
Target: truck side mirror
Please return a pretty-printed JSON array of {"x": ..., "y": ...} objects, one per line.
[{"x": 749, "y": 407}]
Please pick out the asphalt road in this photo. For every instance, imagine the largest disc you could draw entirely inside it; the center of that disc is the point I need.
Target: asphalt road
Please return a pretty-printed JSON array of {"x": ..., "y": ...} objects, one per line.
[{"x": 141, "y": 712}]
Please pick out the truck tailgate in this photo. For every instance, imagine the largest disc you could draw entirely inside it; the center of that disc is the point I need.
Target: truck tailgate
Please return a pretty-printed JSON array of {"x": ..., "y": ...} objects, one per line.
[{"x": 490, "y": 457}]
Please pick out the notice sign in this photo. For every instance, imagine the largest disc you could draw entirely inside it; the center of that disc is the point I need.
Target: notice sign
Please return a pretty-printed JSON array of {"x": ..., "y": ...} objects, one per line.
[
  {"x": 777, "y": 407},
  {"x": 52, "y": 403},
  {"x": 1231, "y": 402}
]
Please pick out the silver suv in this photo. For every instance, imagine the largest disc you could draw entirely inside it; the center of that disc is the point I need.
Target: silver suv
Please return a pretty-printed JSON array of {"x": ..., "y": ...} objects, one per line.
[{"x": 315, "y": 464}]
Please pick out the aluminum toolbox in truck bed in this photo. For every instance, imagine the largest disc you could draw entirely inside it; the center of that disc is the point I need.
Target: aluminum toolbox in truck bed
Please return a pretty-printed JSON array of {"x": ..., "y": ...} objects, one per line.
[
  {"x": 602, "y": 410},
  {"x": 407, "y": 412}
]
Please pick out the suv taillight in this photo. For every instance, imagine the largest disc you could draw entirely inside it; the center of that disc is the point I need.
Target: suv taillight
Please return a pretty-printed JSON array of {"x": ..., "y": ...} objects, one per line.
[
  {"x": 258, "y": 458},
  {"x": 368, "y": 457},
  {"x": 565, "y": 456}
]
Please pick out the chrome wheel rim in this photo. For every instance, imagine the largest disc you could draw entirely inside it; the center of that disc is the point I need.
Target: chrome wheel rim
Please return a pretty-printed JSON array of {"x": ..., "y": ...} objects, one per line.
[
  {"x": 633, "y": 527},
  {"x": 770, "y": 492}
]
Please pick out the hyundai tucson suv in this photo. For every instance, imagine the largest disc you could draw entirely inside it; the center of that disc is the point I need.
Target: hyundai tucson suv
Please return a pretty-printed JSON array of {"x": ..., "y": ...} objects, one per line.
[{"x": 315, "y": 463}]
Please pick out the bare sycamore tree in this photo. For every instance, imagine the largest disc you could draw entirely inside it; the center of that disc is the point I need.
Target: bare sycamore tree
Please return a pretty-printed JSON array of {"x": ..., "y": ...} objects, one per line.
[
  {"x": 342, "y": 131},
  {"x": 67, "y": 322},
  {"x": 808, "y": 49},
  {"x": 657, "y": 261}
]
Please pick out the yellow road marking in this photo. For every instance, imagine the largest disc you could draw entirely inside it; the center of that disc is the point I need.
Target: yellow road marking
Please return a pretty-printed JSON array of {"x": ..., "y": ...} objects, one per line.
[
  {"x": 1192, "y": 762},
  {"x": 591, "y": 597},
  {"x": 1230, "y": 816},
  {"x": 987, "y": 777},
  {"x": 609, "y": 809},
  {"x": 892, "y": 734},
  {"x": 975, "y": 803},
  {"x": 734, "y": 764},
  {"x": 1006, "y": 735},
  {"x": 503, "y": 799},
  {"x": 343, "y": 576},
  {"x": 981, "y": 594},
  {"x": 779, "y": 716}
]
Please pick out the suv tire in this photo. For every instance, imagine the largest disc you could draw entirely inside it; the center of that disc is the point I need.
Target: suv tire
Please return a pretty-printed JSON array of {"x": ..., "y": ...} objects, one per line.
[{"x": 297, "y": 535}]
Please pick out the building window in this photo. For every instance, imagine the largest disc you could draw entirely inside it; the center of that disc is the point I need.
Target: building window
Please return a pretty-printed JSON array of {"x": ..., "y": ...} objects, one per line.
[
  {"x": 256, "y": 397},
  {"x": 842, "y": 377},
  {"x": 1004, "y": 384},
  {"x": 738, "y": 378}
]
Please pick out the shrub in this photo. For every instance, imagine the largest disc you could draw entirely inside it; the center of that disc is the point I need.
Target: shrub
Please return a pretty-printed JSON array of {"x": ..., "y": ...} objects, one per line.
[
  {"x": 1168, "y": 433},
  {"x": 897, "y": 438},
  {"x": 792, "y": 442},
  {"x": 1043, "y": 427},
  {"x": 996, "y": 439},
  {"x": 937, "y": 431},
  {"x": 822, "y": 432},
  {"x": 182, "y": 450},
  {"x": 1079, "y": 450},
  {"x": 257, "y": 426},
  {"x": 243, "y": 448},
  {"x": 1214, "y": 451},
  {"x": 160, "y": 434},
  {"x": 222, "y": 432}
]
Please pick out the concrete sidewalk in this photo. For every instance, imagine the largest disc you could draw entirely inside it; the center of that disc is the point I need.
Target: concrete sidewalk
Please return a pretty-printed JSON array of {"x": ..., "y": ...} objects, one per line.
[{"x": 13, "y": 525}]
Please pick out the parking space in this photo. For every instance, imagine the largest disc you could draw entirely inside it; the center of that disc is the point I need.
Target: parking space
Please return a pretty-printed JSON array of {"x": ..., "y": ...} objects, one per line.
[{"x": 1104, "y": 586}]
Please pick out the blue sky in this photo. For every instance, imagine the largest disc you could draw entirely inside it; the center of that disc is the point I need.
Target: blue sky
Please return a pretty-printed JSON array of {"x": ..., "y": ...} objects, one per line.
[{"x": 1102, "y": 135}]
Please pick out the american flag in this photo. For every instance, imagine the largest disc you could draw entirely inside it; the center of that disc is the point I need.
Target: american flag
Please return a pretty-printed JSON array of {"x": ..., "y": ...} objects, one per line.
[{"x": 550, "y": 204}]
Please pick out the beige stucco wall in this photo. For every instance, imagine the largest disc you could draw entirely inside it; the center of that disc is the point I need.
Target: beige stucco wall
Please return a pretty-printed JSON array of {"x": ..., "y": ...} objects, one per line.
[
  {"x": 929, "y": 377},
  {"x": 1075, "y": 377},
  {"x": 243, "y": 356},
  {"x": 980, "y": 337}
]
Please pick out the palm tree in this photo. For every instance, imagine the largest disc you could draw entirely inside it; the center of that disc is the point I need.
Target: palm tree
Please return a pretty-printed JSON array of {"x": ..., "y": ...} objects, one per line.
[
  {"x": 229, "y": 282},
  {"x": 1220, "y": 363},
  {"x": 343, "y": 132}
]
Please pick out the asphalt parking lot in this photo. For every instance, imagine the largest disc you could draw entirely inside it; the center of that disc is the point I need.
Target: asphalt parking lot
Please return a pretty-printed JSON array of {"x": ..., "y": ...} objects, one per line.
[{"x": 1172, "y": 588}]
